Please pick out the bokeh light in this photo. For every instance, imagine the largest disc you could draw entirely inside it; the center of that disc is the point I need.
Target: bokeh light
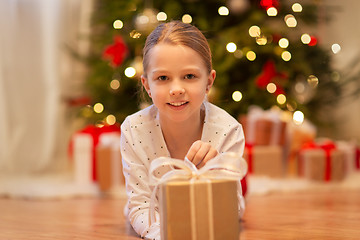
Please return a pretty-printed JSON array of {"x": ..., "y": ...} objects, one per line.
[
  {"x": 98, "y": 108},
  {"x": 298, "y": 117},
  {"x": 271, "y": 87},
  {"x": 272, "y": 12},
  {"x": 110, "y": 119},
  {"x": 118, "y": 24},
  {"x": 313, "y": 81},
  {"x": 261, "y": 40},
  {"x": 281, "y": 99},
  {"x": 251, "y": 55},
  {"x": 130, "y": 72},
  {"x": 135, "y": 34},
  {"x": 283, "y": 42},
  {"x": 186, "y": 18},
  {"x": 115, "y": 84},
  {"x": 238, "y": 53},
  {"x": 335, "y": 48},
  {"x": 223, "y": 11},
  {"x": 254, "y": 31},
  {"x": 290, "y": 20},
  {"x": 286, "y": 56},
  {"x": 231, "y": 47},
  {"x": 305, "y": 38},
  {"x": 237, "y": 96},
  {"x": 296, "y": 7},
  {"x": 161, "y": 16}
]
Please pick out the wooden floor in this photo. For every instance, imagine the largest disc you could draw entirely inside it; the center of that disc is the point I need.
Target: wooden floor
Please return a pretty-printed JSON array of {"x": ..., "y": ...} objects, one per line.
[{"x": 317, "y": 215}]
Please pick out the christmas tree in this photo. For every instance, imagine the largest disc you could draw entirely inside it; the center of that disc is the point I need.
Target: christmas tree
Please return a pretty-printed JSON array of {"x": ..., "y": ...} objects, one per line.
[{"x": 266, "y": 53}]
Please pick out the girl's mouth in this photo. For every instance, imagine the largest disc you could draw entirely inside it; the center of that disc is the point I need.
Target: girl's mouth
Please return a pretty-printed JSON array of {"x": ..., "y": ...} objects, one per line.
[{"x": 177, "y": 104}]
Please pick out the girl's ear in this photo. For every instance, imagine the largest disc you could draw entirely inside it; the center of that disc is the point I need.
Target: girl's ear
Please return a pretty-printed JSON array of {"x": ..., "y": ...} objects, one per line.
[
  {"x": 145, "y": 83},
  {"x": 211, "y": 80}
]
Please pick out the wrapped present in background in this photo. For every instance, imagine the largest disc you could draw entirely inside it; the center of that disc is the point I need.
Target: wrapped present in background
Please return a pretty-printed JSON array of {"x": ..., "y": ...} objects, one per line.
[
  {"x": 321, "y": 162},
  {"x": 199, "y": 209},
  {"x": 82, "y": 152},
  {"x": 108, "y": 162},
  {"x": 352, "y": 155},
  {"x": 297, "y": 135},
  {"x": 265, "y": 160},
  {"x": 263, "y": 127}
]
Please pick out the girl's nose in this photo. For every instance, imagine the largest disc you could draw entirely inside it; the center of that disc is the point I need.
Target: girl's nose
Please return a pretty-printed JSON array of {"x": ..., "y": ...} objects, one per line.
[{"x": 176, "y": 89}]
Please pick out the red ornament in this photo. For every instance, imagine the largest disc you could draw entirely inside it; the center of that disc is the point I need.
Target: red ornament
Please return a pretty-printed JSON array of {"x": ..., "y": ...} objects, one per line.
[
  {"x": 266, "y": 4},
  {"x": 313, "y": 41},
  {"x": 268, "y": 73},
  {"x": 279, "y": 90},
  {"x": 80, "y": 101},
  {"x": 116, "y": 52}
]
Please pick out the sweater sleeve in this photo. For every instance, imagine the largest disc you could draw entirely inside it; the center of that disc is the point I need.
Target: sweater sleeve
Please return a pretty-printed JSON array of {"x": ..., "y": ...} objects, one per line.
[
  {"x": 137, "y": 186},
  {"x": 235, "y": 140}
]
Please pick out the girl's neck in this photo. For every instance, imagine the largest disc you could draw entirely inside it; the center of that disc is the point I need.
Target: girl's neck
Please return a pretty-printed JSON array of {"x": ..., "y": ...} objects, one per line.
[{"x": 179, "y": 136}]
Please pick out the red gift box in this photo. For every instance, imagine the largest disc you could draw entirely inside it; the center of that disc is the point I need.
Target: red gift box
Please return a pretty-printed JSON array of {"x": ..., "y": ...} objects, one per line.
[{"x": 321, "y": 162}]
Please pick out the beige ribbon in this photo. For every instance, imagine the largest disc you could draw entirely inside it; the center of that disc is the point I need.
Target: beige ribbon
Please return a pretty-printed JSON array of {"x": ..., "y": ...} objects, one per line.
[{"x": 227, "y": 165}]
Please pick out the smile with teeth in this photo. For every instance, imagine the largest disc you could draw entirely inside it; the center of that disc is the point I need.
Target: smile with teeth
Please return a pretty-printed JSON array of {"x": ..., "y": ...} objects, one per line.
[{"x": 177, "y": 104}]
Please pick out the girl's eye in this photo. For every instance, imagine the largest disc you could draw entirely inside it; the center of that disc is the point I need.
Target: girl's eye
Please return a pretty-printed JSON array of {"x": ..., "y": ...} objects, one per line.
[
  {"x": 162, "y": 78},
  {"x": 189, "y": 76}
]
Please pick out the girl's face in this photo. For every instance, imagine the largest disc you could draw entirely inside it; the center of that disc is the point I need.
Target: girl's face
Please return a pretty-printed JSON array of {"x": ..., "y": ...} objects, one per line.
[{"x": 177, "y": 81}]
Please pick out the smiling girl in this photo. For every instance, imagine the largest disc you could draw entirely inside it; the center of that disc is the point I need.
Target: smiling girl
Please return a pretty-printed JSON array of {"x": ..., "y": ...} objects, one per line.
[{"x": 181, "y": 123}]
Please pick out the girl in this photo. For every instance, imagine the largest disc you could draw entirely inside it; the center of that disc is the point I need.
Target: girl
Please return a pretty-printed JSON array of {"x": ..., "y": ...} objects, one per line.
[{"x": 181, "y": 123}]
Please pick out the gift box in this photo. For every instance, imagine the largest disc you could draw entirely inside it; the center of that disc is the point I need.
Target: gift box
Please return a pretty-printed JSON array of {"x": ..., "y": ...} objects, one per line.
[
  {"x": 351, "y": 152},
  {"x": 263, "y": 127},
  {"x": 298, "y": 135},
  {"x": 321, "y": 162},
  {"x": 265, "y": 160},
  {"x": 203, "y": 203},
  {"x": 82, "y": 148},
  {"x": 108, "y": 162},
  {"x": 200, "y": 209},
  {"x": 83, "y": 158}
]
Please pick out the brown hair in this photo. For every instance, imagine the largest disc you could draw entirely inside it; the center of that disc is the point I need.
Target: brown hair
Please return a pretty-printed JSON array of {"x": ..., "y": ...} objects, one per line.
[{"x": 178, "y": 33}]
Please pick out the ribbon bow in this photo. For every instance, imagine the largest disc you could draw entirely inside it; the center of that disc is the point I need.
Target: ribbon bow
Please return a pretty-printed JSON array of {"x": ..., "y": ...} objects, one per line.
[{"x": 227, "y": 165}]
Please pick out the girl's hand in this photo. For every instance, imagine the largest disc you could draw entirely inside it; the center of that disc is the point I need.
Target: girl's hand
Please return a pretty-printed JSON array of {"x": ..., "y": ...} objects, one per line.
[{"x": 201, "y": 152}]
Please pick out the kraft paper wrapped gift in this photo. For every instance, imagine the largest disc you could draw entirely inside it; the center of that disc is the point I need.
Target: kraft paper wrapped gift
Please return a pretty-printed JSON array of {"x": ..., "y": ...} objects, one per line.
[
  {"x": 298, "y": 135},
  {"x": 321, "y": 163},
  {"x": 265, "y": 160},
  {"x": 108, "y": 162},
  {"x": 263, "y": 127},
  {"x": 199, "y": 209},
  {"x": 198, "y": 204},
  {"x": 352, "y": 155}
]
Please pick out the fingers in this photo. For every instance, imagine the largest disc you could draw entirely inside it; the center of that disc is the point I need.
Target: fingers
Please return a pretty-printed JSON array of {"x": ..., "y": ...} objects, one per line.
[
  {"x": 200, "y": 152},
  {"x": 210, "y": 155}
]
